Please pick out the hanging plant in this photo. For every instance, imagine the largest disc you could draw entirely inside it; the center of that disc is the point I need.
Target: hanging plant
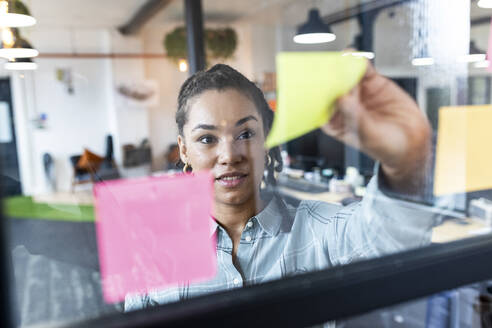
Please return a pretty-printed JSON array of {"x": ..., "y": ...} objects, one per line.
[
  {"x": 20, "y": 8},
  {"x": 220, "y": 44},
  {"x": 16, "y": 7},
  {"x": 175, "y": 44}
]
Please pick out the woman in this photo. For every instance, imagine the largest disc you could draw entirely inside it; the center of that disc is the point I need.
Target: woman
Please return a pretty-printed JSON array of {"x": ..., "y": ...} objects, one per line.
[{"x": 223, "y": 120}]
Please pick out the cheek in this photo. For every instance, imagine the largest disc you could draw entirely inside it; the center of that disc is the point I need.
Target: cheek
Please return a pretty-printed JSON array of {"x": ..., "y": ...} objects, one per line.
[
  {"x": 201, "y": 158},
  {"x": 258, "y": 159}
]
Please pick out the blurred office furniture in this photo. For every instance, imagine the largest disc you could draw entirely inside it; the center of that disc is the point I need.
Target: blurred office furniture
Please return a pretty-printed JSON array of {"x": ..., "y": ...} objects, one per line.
[
  {"x": 90, "y": 167},
  {"x": 316, "y": 149},
  {"x": 442, "y": 310},
  {"x": 49, "y": 170},
  {"x": 479, "y": 88},
  {"x": 84, "y": 168},
  {"x": 137, "y": 155},
  {"x": 172, "y": 157},
  {"x": 302, "y": 185}
]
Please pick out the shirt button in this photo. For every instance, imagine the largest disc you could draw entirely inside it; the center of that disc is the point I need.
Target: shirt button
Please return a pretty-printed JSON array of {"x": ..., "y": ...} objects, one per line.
[
  {"x": 248, "y": 238},
  {"x": 236, "y": 281},
  {"x": 249, "y": 224}
]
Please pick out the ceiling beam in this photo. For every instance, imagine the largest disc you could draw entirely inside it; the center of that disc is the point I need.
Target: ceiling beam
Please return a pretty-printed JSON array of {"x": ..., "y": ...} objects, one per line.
[
  {"x": 355, "y": 11},
  {"x": 142, "y": 16}
]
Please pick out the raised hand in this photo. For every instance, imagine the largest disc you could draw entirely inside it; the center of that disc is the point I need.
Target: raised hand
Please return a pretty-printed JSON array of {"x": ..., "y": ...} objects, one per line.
[{"x": 383, "y": 121}]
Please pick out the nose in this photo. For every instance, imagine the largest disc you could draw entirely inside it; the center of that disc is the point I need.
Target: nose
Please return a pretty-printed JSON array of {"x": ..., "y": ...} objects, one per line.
[{"x": 230, "y": 153}]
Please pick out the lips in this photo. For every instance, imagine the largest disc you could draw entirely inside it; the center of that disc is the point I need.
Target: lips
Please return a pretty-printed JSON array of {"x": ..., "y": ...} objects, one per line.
[{"x": 231, "y": 179}]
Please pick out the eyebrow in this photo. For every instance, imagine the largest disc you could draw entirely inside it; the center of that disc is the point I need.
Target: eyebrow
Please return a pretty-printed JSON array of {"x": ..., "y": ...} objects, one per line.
[
  {"x": 246, "y": 119},
  {"x": 205, "y": 127},
  {"x": 213, "y": 127}
]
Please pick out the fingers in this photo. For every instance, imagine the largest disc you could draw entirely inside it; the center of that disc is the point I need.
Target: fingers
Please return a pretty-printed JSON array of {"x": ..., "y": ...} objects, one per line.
[
  {"x": 343, "y": 125},
  {"x": 349, "y": 103},
  {"x": 370, "y": 70}
]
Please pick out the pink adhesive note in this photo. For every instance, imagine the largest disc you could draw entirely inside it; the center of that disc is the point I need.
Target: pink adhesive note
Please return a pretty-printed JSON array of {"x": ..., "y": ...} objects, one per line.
[
  {"x": 154, "y": 233},
  {"x": 489, "y": 49}
]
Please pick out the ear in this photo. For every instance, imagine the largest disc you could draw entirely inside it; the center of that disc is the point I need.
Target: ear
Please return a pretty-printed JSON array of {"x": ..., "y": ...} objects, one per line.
[{"x": 182, "y": 149}]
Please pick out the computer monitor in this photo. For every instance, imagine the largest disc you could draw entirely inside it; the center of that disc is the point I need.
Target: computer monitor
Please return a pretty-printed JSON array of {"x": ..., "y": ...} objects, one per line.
[
  {"x": 332, "y": 153},
  {"x": 316, "y": 149},
  {"x": 303, "y": 151}
]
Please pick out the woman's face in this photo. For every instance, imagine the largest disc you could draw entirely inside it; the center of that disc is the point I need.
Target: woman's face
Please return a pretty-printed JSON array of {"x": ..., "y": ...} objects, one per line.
[{"x": 224, "y": 134}]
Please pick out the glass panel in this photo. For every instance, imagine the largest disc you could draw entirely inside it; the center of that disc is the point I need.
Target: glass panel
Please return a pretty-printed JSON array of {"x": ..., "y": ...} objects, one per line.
[
  {"x": 467, "y": 306},
  {"x": 298, "y": 157}
]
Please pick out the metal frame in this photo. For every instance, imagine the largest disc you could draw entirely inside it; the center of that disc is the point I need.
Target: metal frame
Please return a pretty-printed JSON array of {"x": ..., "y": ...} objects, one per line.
[
  {"x": 8, "y": 309},
  {"x": 306, "y": 299},
  {"x": 322, "y": 296},
  {"x": 195, "y": 35}
]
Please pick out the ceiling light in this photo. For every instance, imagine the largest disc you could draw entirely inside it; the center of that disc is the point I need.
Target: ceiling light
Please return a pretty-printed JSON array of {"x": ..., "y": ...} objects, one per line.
[
  {"x": 183, "y": 65},
  {"x": 314, "y": 30},
  {"x": 482, "y": 64},
  {"x": 485, "y": 4},
  {"x": 15, "y": 15},
  {"x": 423, "y": 61},
  {"x": 21, "y": 64},
  {"x": 12, "y": 45},
  {"x": 472, "y": 58},
  {"x": 423, "y": 58},
  {"x": 475, "y": 54},
  {"x": 365, "y": 54}
]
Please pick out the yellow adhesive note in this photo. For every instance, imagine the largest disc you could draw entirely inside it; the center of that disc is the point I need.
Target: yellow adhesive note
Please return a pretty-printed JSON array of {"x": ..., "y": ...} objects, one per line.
[
  {"x": 463, "y": 157},
  {"x": 308, "y": 84}
]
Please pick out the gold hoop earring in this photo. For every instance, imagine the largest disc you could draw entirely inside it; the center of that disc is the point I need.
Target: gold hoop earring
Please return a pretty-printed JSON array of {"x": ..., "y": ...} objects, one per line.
[
  {"x": 268, "y": 160},
  {"x": 186, "y": 168}
]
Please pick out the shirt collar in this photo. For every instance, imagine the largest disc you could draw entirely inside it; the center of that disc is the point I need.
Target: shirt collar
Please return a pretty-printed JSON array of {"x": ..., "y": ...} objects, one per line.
[
  {"x": 213, "y": 226},
  {"x": 274, "y": 217}
]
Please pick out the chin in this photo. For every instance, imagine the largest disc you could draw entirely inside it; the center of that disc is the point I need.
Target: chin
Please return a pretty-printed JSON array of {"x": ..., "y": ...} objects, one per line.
[{"x": 233, "y": 197}]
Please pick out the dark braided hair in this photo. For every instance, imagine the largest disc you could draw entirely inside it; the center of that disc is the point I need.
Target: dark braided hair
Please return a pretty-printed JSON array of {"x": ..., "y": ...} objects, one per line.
[{"x": 222, "y": 77}]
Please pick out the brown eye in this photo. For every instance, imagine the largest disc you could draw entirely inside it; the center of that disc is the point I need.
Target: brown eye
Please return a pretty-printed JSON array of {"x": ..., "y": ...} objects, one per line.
[
  {"x": 207, "y": 139},
  {"x": 248, "y": 134}
]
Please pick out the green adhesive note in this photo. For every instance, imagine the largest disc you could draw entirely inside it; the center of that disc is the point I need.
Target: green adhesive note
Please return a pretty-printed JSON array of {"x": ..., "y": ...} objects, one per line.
[{"x": 308, "y": 84}]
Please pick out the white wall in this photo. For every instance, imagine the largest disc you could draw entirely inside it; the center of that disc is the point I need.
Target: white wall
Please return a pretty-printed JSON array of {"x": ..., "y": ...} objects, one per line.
[
  {"x": 75, "y": 121},
  {"x": 80, "y": 120}
]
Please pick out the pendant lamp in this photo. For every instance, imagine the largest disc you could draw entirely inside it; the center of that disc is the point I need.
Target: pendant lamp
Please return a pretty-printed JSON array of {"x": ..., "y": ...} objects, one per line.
[
  {"x": 314, "y": 30},
  {"x": 12, "y": 45},
  {"x": 20, "y": 64},
  {"x": 487, "y": 4},
  {"x": 423, "y": 59},
  {"x": 14, "y": 13},
  {"x": 474, "y": 55}
]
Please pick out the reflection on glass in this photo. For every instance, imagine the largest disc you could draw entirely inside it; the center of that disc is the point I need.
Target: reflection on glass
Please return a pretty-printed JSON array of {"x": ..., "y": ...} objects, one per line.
[
  {"x": 360, "y": 184},
  {"x": 464, "y": 307}
]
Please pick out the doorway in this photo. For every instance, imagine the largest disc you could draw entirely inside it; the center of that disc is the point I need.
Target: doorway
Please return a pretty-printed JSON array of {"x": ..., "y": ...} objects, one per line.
[{"x": 9, "y": 163}]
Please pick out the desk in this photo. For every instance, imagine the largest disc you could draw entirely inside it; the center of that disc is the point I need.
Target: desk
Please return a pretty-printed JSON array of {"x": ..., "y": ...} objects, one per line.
[
  {"x": 328, "y": 197},
  {"x": 450, "y": 230},
  {"x": 456, "y": 229}
]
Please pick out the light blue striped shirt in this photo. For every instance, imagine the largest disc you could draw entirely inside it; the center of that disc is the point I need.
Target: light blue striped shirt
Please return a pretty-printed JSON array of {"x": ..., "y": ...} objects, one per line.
[{"x": 282, "y": 240}]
